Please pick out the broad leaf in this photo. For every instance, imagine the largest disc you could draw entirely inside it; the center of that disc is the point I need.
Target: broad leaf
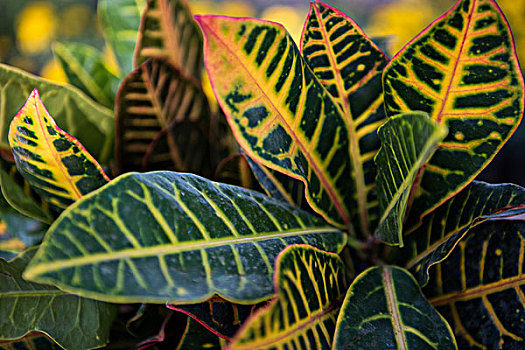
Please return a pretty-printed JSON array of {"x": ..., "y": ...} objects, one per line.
[
  {"x": 441, "y": 230},
  {"x": 161, "y": 121},
  {"x": 89, "y": 122},
  {"x": 33, "y": 340},
  {"x": 310, "y": 286},
  {"x": 279, "y": 112},
  {"x": 120, "y": 20},
  {"x": 72, "y": 321},
  {"x": 54, "y": 163},
  {"x": 350, "y": 66},
  {"x": 463, "y": 71},
  {"x": 85, "y": 68},
  {"x": 407, "y": 142},
  {"x": 196, "y": 337},
  {"x": 168, "y": 30},
  {"x": 168, "y": 236},
  {"x": 385, "y": 309},
  {"x": 480, "y": 287}
]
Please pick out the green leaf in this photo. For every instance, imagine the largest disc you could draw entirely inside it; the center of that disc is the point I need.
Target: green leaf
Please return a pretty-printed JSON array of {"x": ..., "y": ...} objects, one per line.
[
  {"x": 120, "y": 20},
  {"x": 28, "y": 230},
  {"x": 350, "y": 66},
  {"x": 72, "y": 321},
  {"x": 162, "y": 121},
  {"x": 407, "y": 142},
  {"x": 87, "y": 121},
  {"x": 33, "y": 340},
  {"x": 178, "y": 237},
  {"x": 385, "y": 309},
  {"x": 168, "y": 30},
  {"x": 279, "y": 112},
  {"x": 441, "y": 230},
  {"x": 54, "y": 163},
  {"x": 310, "y": 286},
  {"x": 196, "y": 337},
  {"x": 85, "y": 68},
  {"x": 480, "y": 287},
  {"x": 463, "y": 71}
]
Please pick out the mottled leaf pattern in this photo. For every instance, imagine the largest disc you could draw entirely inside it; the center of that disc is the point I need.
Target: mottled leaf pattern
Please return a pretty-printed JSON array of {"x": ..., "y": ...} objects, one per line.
[
  {"x": 310, "y": 286},
  {"x": 161, "y": 121},
  {"x": 480, "y": 287},
  {"x": 407, "y": 142},
  {"x": 462, "y": 71},
  {"x": 279, "y": 112},
  {"x": 385, "y": 309},
  {"x": 441, "y": 230},
  {"x": 350, "y": 66},
  {"x": 57, "y": 166},
  {"x": 200, "y": 237}
]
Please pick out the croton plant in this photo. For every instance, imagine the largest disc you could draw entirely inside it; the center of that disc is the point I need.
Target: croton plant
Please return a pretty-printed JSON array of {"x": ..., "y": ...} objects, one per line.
[{"x": 352, "y": 218}]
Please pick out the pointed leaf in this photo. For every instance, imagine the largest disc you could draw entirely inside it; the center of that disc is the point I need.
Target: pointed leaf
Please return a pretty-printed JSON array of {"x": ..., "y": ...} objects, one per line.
[
  {"x": 480, "y": 287},
  {"x": 85, "y": 68},
  {"x": 56, "y": 165},
  {"x": 168, "y": 30},
  {"x": 162, "y": 121},
  {"x": 196, "y": 337},
  {"x": 385, "y": 309},
  {"x": 87, "y": 121},
  {"x": 33, "y": 340},
  {"x": 310, "y": 286},
  {"x": 192, "y": 239},
  {"x": 463, "y": 71},
  {"x": 350, "y": 66},
  {"x": 407, "y": 142},
  {"x": 278, "y": 111},
  {"x": 73, "y": 322},
  {"x": 441, "y": 230}
]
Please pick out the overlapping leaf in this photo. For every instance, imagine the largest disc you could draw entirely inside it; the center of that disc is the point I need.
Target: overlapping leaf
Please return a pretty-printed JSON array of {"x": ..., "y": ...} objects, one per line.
[
  {"x": 385, "y": 309},
  {"x": 168, "y": 236},
  {"x": 279, "y": 112},
  {"x": 462, "y": 71},
  {"x": 89, "y": 122},
  {"x": 310, "y": 286},
  {"x": 85, "y": 68},
  {"x": 350, "y": 66},
  {"x": 32, "y": 341},
  {"x": 441, "y": 230},
  {"x": 168, "y": 30},
  {"x": 480, "y": 287},
  {"x": 55, "y": 164},
  {"x": 162, "y": 121},
  {"x": 408, "y": 140},
  {"x": 72, "y": 321}
]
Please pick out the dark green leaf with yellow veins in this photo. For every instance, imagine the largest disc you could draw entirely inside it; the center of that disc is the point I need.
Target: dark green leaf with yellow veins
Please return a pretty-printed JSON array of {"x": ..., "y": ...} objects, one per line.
[
  {"x": 54, "y": 163},
  {"x": 408, "y": 140},
  {"x": 441, "y": 230},
  {"x": 279, "y": 112},
  {"x": 385, "y": 309},
  {"x": 33, "y": 340},
  {"x": 480, "y": 287},
  {"x": 166, "y": 236},
  {"x": 310, "y": 286},
  {"x": 350, "y": 65},
  {"x": 463, "y": 71}
]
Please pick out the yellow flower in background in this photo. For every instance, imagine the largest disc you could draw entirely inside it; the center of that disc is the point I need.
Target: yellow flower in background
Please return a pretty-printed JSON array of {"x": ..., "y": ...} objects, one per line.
[
  {"x": 36, "y": 27},
  {"x": 54, "y": 72},
  {"x": 74, "y": 20},
  {"x": 292, "y": 18}
]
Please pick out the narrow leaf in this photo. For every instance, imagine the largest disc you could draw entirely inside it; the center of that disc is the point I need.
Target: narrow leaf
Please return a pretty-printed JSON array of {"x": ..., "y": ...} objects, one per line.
[
  {"x": 350, "y": 66},
  {"x": 85, "y": 68},
  {"x": 279, "y": 113},
  {"x": 168, "y": 30},
  {"x": 480, "y": 287},
  {"x": 385, "y": 309},
  {"x": 87, "y": 121},
  {"x": 310, "y": 286},
  {"x": 407, "y": 142},
  {"x": 441, "y": 230},
  {"x": 191, "y": 239},
  {"x": 57, "y": 166},
  {"x": 463, "y": 71},
  {"x": 73, "y": 322}
]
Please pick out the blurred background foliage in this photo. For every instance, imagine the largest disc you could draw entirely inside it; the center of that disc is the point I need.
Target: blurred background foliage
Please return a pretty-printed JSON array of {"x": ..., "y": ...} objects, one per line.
[{"x": 28, "y": 29}]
